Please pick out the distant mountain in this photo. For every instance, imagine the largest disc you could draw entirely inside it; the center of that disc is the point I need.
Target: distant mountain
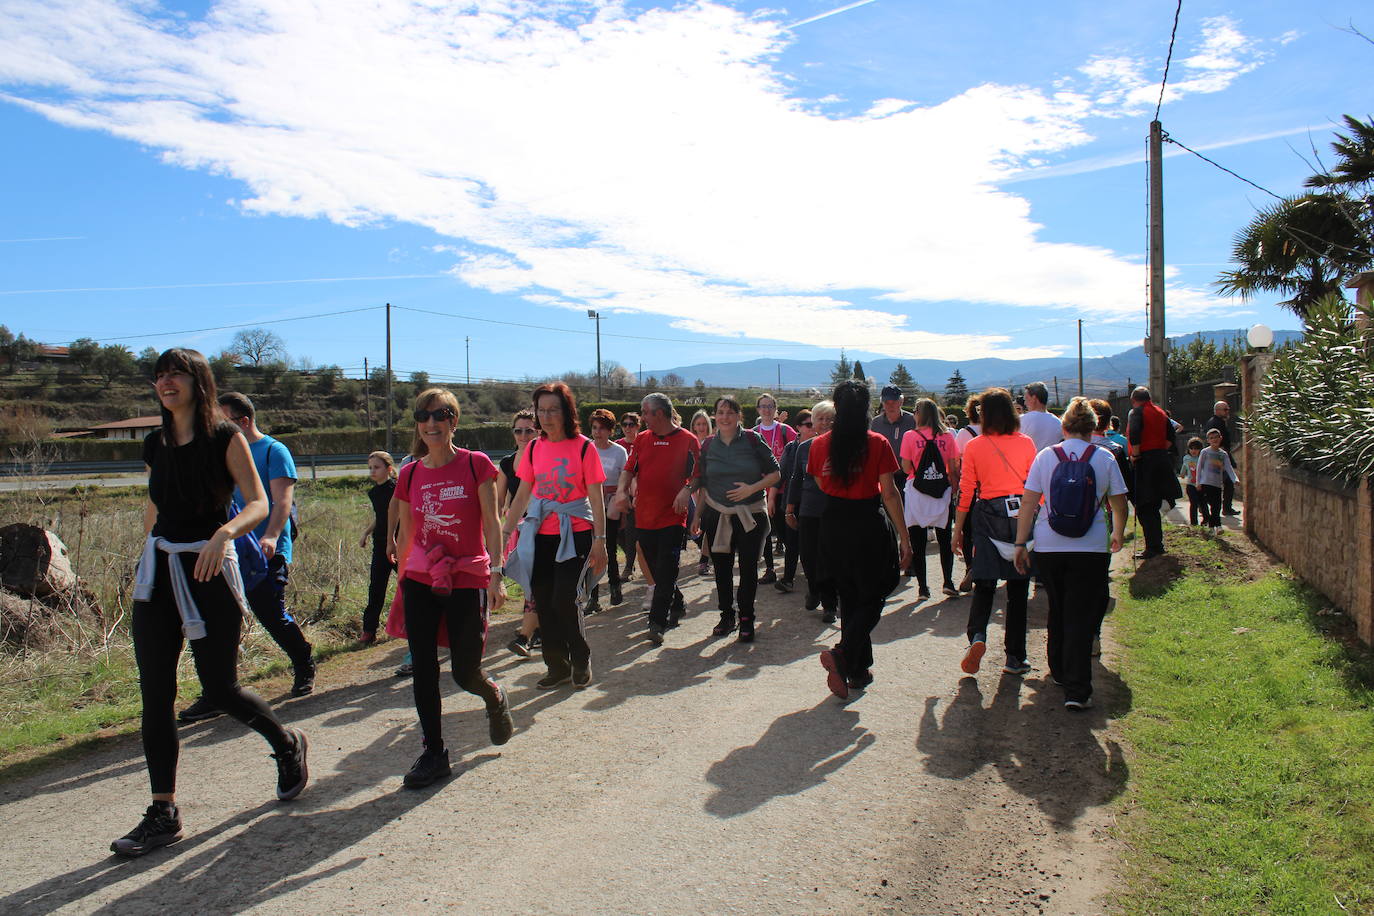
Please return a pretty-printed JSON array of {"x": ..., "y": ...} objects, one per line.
[{"x": 1099, "y": 373}]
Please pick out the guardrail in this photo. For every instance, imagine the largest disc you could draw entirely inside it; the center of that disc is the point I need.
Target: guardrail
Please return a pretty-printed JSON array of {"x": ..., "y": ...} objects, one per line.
[{"x": 92, "y": 468}]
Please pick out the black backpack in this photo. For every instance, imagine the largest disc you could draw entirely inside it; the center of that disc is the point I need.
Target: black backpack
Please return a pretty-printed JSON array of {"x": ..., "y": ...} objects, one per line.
[{"x": 931, "y": 477}]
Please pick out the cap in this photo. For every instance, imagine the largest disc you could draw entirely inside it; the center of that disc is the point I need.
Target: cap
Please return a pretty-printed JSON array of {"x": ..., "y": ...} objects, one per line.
[{"x": 892, "y": 393}]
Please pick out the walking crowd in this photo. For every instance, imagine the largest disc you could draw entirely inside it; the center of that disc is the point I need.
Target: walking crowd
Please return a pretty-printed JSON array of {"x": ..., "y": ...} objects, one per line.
[{"x": 849, "y": 497}]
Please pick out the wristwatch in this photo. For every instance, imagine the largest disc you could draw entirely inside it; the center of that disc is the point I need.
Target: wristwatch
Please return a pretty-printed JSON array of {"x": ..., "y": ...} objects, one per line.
[
  {"x": 499, "y": 570},
  {"x": 1022, "y": 544}
]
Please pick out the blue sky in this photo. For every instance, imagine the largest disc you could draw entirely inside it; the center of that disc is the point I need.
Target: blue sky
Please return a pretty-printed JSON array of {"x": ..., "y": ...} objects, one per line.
[{"x": 722, "y": 182}]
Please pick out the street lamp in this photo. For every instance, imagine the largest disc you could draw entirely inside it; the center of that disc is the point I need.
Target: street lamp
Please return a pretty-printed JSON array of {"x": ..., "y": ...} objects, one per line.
[{"x": 594, "y": 314}]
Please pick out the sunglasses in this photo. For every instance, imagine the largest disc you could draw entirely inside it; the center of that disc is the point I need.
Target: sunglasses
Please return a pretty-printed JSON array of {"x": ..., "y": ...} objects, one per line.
[
  {"x": 808, "y": 423},
  {"x": 439, "y": 413},
  {"x": 629, "y": 426}
]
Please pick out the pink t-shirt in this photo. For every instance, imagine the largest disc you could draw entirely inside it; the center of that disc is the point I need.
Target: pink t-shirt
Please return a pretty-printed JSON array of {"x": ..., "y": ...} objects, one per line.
[
  {"x": 445, "y": 511},
  {"x": 914, "y": 442},
  {"x": 562, "y": 471}
]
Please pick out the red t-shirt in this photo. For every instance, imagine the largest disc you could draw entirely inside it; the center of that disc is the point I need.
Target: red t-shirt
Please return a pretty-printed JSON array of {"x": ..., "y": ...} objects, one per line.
[
  {"x": 445, "y": 510},
  {"x": 562, "y": 471},
  {"x": 663, "y": 465},
  {"x": 878, "y": 461}
]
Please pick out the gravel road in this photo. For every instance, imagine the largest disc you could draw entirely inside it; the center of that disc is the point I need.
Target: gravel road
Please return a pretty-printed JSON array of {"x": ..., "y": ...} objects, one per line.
[{"x": 705, "y": 776}]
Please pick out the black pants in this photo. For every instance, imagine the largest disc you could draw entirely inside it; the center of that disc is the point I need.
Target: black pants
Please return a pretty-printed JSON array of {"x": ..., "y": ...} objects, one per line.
[
  {"x": 268, "y": 603},
  {"x": 612, "y": 537},
  {"x": 745, "y": 549},
  {"x": 1195, "y": 504},
  {"x": 379, "y": 576},
  {"x": 1228, "y": 493},
  {"x": 1076, "y": 586},
  {"x": 1211, "y": 505},
  {"x": 791, "y": 551},
  {"x": 157, "y": 648},
  {"x": 818, "y": 583},
  {"x": 555, "y": 600},
  {"x": 980, "y": 612},
  {"x": 663, "y": 552},
  {"x": 853, "y": 540},
  {"x": 627, "y": 533},
  {"x": 918, "y": 556},
  {"x": 464, "y": 614},
  {"x": 1154, "y": 483}
]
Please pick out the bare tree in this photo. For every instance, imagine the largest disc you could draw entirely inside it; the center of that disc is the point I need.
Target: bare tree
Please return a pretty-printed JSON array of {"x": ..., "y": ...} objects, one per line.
[{"x": 258, "y": 346}]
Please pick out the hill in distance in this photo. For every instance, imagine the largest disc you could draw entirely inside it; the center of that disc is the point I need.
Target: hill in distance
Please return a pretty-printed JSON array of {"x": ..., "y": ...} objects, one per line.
[{"x": 1099, "y": 373}]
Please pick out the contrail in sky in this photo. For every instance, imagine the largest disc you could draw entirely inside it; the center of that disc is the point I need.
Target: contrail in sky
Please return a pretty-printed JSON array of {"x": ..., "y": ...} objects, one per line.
[
  {"x": 56, "y": 238},
  {"x": 836, "y": 11}
]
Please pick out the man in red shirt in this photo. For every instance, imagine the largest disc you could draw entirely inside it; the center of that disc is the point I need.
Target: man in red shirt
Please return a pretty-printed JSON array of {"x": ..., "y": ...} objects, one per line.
[
  {"x": 665, "y": 459},
  {"x": 1150, "y": 433}
]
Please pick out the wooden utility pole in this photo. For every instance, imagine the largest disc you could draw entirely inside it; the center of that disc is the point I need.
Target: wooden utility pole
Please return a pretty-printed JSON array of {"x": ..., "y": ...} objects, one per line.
[
  {"x": 1080, "y": 357},
  {"x": 390, "y": 423},
  {"x": 1057, "y": 402},
  {"x": 367, "y": 399},
  {"x": 467, "y": 349},
  {"x": 1155, "y": 346}
]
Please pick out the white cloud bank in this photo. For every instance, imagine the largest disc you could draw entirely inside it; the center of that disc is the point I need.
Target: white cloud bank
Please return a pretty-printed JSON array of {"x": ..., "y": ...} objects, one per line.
[{"x": 580, "y": 154}]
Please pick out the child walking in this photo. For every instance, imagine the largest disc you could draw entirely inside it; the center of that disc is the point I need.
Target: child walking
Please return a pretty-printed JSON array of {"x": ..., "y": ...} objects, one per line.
[
  {"x": 1213, "y": 467},
  {"x": 1187, "y": 475}
]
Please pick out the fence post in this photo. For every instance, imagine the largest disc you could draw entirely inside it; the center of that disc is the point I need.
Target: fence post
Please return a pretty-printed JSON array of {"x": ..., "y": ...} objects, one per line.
[{"x": 313, "y": 473}]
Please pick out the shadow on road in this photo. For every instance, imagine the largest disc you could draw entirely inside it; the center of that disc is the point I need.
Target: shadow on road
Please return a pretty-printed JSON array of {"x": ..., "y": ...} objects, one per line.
[{"x": 798, "y": 751}]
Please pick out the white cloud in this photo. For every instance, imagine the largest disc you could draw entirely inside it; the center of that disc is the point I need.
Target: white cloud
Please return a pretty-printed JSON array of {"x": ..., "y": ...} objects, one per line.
[{"x": 580, "y": 154}]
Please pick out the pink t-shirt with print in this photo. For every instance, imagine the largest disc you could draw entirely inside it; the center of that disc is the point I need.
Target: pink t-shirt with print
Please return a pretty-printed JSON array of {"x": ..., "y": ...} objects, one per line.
[
  {"x": 914, "y": 442},
  {"x": 562, "y": 471},
  {"x": 445, "y": 511}
]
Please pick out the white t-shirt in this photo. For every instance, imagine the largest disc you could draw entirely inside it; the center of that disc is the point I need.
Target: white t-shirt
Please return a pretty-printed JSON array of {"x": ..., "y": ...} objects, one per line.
[
  {"x": 613, "y": 459},
  {"x": 967, "y": 435},
  {"x": 1043, "y": 428},
  {"x": 1109, "y": 483}
]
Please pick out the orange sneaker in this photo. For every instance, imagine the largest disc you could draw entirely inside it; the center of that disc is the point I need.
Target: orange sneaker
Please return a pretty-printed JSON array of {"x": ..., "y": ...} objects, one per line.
[{"x": 973, "y": 657}]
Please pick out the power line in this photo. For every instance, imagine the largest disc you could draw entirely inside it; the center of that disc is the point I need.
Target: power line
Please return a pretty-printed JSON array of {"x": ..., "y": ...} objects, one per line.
[
  {"x": 1168, "y": 59},
  {"x": 1169, "y": 139},
  {"x": 249, "y": 324}
]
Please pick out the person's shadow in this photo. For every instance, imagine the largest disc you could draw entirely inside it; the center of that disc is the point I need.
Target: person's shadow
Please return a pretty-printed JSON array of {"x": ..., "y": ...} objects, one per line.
[{"x": 798, "y": 751}]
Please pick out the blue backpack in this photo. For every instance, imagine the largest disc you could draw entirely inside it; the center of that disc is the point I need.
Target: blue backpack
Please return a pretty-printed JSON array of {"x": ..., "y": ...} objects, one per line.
[
  {"x": 1073, "y": 493},
  {"x": 252, "y": 560}
]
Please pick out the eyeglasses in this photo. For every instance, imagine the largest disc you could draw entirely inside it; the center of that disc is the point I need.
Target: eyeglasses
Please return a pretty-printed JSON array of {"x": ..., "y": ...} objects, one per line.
[
  {"x": 439, "y": 413},
  {"x": 523, "y": 431},
  {"x": 807, "y": 423},
  {"x": 629, "y": 426},
  {"x": 550, "y": 411}
]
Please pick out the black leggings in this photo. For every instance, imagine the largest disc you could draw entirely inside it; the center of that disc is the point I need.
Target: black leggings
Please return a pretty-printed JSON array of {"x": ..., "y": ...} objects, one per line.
[
  {"x": 380, "y": 576},
  {"x": 157, "y": 648},
  {"x": 918, "y": 547},
  {"x": 745, "y": 547},
  {"x": 464, "y": 614},
  {"x": 555, "y": 599},
  {"x": 980, "y": 612},
  {"x": 809, "y": 546}
]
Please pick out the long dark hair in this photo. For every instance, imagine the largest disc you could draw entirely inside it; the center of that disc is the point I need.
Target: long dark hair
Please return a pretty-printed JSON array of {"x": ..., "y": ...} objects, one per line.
[
  {"x": 194, "y": 364},
  {"x": 571, "y": 427},
  {"x": 999, "y": 413},
  {"x": 849, "y": 434}
]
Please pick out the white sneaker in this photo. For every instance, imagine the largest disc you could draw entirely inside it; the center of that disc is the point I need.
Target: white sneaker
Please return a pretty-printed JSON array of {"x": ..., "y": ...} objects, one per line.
[
  {"x": 648, "y": 600},
  {"x": 1078, "y": 705}
]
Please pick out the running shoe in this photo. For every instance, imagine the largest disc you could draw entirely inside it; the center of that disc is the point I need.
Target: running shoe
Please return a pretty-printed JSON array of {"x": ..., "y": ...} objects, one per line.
[
  {"x": 704, "y": 568},
  {"x": 973, "y": 657},
  {"x": 161, "y": 826},
  {"x": 199, "y": 711},
  {"x": 304, "y": 683},
  {"x": 520, "y": 645},
  {"x": 922, "y": 592},
  {"x": 428, "y": 768},
  {"x": 616, "y": 596},
  {"x": 536, "y": 641},
  {"x": 1078, "y": 705},
  {"x": 828, "y": 617},
  {"x": 860, "y": 681},
  {"x": 655, "y": 634},
  {"x": 768, "y": 578},
  {"x": 500, "y": 726},
  {"x": 581, "y": 677},
  {"x": 292, "y": 770},
  {"x": 784, "y": 585},
  {"x": 726, "y": 625},
  {"x": 553, "y": 679},
  {"x": 832, "y": 662},
  {"x": 1016, "y": 665},
  {"x": 593, "y": 607},
  {"x": 406, "y": 670},
  {"x": 950, "y": 590},
  {"x": 746, "y": 629},
  {"x": 813, "y": 601},
  {"x": 367, "y": 637}
]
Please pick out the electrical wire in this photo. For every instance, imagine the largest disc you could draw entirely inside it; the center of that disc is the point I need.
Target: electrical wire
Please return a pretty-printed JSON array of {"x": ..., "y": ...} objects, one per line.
[
  {"x": 1168, "y": 59},
  {"x": 1169, "y": 139},
  {"x": 249, "y": 324}
]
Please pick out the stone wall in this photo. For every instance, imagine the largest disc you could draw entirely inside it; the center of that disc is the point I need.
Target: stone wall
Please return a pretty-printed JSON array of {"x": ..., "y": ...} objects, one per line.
[{"x": 1322, "y": 528}]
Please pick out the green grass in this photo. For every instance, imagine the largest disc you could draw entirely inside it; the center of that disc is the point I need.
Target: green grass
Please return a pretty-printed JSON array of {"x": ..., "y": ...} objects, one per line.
[{"x": 1252, "y": 780}]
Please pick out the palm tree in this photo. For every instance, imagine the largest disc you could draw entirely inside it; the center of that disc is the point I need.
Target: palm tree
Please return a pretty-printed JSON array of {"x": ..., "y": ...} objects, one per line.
[{"x": 1356, "y": 153}]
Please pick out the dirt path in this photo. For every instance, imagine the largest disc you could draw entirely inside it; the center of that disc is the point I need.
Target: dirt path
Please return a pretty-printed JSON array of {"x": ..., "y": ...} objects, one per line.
[{"x": 701, "y": 777}]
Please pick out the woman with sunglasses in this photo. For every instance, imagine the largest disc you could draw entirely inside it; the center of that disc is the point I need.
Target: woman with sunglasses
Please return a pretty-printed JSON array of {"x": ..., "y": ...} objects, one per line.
[
  {"x": 188, "y": 589},
  {"x": 561, "y": 514},
  {"x": 613, "y": 458},
  {"x": 523, "y": 429},
  {"x": 449, "y": 534}
]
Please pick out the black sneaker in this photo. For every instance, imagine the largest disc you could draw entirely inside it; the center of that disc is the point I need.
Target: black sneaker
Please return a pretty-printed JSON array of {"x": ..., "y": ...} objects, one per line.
[
  {"x": 768, "y": 578},
  {"x": 616, "y": 596},
  {"x": 428, "y": 768},
  {"x": 292, "y": 771},
  {"x": 593, "y": 607},
  {"x": 922, "y": 591},
  {"x": 861, "y": 681},
  {"x": 746, "y": 629},
  {"x": 813, "y": 601},
  {"x": 655, "y": 634},
  {"x": 552, "y": 680},
  {"x": 161, "y": 826},
  {"x": 304, "y": 684},
  {"x": 499, "y": 723},
  {"x": 726, "y": 625},
  {"x": 199, "y": 711},
  {"x": 784, "y": 585},
  {"x": 536, "y": 641},
  {"x": 828, "y": 617},
  {"x": 520, "y": 645},
  {"x": 581, "y": 677},
  {"x": 406, "y": 670}
]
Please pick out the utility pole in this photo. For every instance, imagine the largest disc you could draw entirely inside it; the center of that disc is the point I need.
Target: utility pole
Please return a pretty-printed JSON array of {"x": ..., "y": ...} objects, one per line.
[
  {"x": 594, "y": 314},
  {"x": 390, "y": 423},
  {"x": 467, "y": 347},
  {"x": 1155, "y": 345},
  {"x": 367, "y": 399},
  {"x": 1057, "y": 402},
  {"x": 1080, "y": 357},
  {"x": 780, "y": 376}
]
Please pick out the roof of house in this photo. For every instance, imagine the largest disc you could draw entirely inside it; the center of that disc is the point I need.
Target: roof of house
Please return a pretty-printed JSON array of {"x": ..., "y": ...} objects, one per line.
[
  {"x": 135, "y": 423},
  {"x": 53, "y": 350}
]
